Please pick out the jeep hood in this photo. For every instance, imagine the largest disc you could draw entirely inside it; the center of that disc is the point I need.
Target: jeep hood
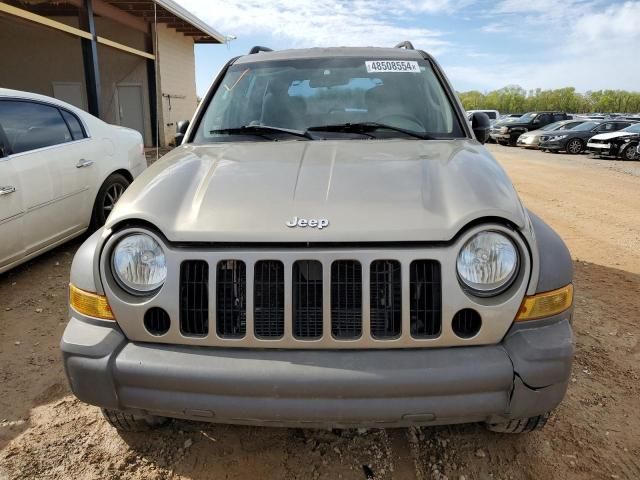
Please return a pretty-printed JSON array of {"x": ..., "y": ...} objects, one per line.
[{"x": 368, "y": 190}]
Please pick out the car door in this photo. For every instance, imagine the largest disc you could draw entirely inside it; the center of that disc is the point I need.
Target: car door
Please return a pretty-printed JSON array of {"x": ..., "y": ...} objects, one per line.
[
  {"x": 11, "y": 212},
  {"x": 39, "y": 151}
]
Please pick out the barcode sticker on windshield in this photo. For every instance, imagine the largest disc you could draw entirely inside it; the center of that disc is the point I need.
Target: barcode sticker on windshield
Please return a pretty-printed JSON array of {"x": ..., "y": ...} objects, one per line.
[{"x": 386, "y": 66}]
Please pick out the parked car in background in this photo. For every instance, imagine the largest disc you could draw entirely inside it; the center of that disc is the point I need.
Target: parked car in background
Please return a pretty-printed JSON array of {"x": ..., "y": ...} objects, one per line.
[
  {"x": 532, "y": 139},
  {"x": 622, "y": 143},
  {"x": 575, "y": 140},
  {"x": 510, "y": 116},
  {"x": 61, "y": 171},
  {"x": 507, "y": 133},
  {"x": 493, "y": 115}
]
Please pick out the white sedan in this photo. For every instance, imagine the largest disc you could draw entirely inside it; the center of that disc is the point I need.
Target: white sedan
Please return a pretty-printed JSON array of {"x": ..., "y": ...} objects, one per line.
[{"x": 61, "y": 172}]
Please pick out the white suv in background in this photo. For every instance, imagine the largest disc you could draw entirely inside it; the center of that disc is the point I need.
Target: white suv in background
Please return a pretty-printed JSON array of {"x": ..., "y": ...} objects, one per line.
[{"x": 61, "y": 171}]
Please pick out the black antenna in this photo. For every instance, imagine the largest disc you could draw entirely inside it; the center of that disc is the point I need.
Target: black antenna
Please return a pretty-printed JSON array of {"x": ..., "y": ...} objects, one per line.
[
  {"x": 407, "y": 45},
  {"x": 258, "y": 49}
]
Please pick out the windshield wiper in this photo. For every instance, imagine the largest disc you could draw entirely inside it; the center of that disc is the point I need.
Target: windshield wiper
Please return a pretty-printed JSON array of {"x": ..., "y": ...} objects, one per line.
[
  {"x": 364, "y": 127},
  {"x": 260, "y": 130}
]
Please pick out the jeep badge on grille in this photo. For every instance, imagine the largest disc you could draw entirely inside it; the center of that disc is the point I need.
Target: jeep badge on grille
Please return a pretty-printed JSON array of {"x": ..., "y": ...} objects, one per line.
[{"x": 318, "y": 223}]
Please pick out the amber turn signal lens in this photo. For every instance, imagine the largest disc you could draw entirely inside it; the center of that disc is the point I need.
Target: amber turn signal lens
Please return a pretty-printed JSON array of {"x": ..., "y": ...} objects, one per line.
[
  {"x": 546, "y": 304},
  {"x": 90, "y": 304}
]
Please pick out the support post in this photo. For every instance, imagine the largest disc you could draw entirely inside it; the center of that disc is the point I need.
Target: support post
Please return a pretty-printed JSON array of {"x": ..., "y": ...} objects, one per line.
[
  {"x": 90, "y": 58},
  {"x": 151, "y": 80}
]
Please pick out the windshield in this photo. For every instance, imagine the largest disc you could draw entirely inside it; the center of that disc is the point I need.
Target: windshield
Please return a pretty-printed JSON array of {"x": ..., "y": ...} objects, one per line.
[
  {"x": 553, "y": 126},
  {"x": 527, "y": 117},
  {"x": 635, "y": 128},
  {"x": 305, "y": 93},
  {"x": 586, "y": 126}
]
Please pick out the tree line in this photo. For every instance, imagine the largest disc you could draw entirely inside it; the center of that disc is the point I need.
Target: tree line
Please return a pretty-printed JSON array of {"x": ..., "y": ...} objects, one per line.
[{"x": 515, "y": 99}]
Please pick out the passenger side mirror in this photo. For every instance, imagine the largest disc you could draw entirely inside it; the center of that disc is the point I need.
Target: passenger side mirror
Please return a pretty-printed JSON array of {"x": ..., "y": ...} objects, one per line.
[
  {"x": 181, "y": 129},
  {"x": 480, "y": 124}
]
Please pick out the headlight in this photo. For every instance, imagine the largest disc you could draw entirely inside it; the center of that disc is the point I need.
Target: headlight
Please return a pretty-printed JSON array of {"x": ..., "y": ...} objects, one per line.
[
  {"x": 139, "y": 264},
  {"x": 504, "y": 129},
  {"x": 487, "y": 263},
  {"x": 557, "y": 137}
]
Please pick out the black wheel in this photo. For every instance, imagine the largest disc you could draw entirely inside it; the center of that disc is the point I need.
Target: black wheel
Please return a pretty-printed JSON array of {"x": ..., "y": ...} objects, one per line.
[
  {"x": 629, "y": 153},
  {"x": 501, "y": 142},
  {"x": 127, "y": 422},
  {"x": 513, "y": 141},
  {"x": 574, "y": 146},
  {"x": 522, "y": 425},
  {"x": 109, "y": 193}
]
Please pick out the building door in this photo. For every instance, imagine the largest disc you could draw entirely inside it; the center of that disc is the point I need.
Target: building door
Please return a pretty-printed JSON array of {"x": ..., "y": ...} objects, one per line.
[
  {"x": 130, "y": 111},
  {"x": 70, "y": 92}
]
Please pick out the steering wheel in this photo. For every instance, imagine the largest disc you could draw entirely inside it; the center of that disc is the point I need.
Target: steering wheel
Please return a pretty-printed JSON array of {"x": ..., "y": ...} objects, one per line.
[{"x": 402, "y": 116}]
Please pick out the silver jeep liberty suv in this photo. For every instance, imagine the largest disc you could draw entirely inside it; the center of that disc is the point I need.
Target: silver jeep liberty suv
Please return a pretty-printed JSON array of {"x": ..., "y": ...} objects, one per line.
[{"x": 331, "y": 245}]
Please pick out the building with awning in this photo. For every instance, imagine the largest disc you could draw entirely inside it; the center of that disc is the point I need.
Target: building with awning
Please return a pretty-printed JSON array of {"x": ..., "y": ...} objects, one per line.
[{"x": 129, "y": 62}]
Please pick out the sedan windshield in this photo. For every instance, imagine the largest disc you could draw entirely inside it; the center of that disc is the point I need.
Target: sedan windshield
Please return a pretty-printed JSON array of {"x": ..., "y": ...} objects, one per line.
[
  {"x": 340, "y": 97},
  {"x": 635, "y": 128},
  {"x": 586, "y": 126}
]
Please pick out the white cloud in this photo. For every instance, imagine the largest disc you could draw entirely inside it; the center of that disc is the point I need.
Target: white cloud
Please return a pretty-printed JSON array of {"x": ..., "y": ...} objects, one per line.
[
  {"x": 583, "y": 44},
  {"x": 495, "y": 28},
  {"x": 325, "y": 22}
]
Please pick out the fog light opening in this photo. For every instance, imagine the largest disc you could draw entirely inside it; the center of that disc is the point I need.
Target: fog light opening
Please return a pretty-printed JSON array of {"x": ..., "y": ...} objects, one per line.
[
  {"x": 466, "y": 323},
  {"x": 157, "y": 321}
]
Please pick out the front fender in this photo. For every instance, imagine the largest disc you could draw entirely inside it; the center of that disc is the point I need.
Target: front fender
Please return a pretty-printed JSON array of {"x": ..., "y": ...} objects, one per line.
[
  {"x": 555, "y": 264},
  {"x": 84, "y": 268}
]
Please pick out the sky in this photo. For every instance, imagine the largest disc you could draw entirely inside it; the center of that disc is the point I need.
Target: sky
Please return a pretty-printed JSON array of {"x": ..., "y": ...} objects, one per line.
[{"x": 481, "y": 44}]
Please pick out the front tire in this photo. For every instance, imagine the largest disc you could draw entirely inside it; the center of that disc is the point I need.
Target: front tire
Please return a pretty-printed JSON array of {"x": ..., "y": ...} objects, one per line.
[
  {"x": 127, "y": 422},
  {"x": 109, "y": 193},
  {"x": 629, "y": 153},
  {"x": 521, "y": 425},
  {"x": 574, "y": 146}
]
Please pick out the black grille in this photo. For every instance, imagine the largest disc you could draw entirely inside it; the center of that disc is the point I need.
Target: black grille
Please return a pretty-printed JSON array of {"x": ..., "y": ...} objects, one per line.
[
  {"x": 268, "y": 299},
  {"x": 346, "y": 299},
  {"x": 157, "y": 321},
  {"x": 194, "y": 298},
  {"x": 231, "y": 305},
  {"x": 466, "y": 323},
  {"x": 307, "y": 299},
  {"x": 386, "y": 299},
  {"x": 425, "y": 298}
]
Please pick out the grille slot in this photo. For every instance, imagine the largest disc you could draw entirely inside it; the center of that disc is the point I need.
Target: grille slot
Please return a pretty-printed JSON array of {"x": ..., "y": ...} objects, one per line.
[
  {"x": 268, "y": 300},
  {"x": 157, "y": 321},
  {"x": 231, "y": 303},
  {"x": 307, "y": 299},
  {"x": 386, "y": 299},
  {"x": 194, "y": 298},
  {"x": 425, "y": 298},
  {"x": 346, "y": 299}
]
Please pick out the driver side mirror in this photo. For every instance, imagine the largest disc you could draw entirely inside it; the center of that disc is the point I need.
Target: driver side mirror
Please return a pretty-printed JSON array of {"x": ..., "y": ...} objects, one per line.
[
  {"x": 181, "y": 129},
  {"x": 480, "y": 124}
]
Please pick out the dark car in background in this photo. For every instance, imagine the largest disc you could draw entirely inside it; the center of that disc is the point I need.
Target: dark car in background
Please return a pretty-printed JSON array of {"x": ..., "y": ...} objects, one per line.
[
  {"x": 507, "y": 133},
  {"x": 531, "y": 139},
  {"x": 575, "y": 140},
  {"x": 622, "y": 144}
]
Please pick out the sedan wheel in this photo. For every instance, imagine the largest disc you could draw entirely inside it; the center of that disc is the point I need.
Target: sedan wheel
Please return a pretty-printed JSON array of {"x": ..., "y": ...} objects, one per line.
[
  {"x": 108, "y": 195},
  {"x": 574, "y": 146},
  {"x": 629, "y": 153}
]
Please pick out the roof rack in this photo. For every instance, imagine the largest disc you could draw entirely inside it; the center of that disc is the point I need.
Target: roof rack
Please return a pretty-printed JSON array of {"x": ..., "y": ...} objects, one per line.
[
  {"x": 407, "y": 45},
  {"x": 258, "y": 49}
]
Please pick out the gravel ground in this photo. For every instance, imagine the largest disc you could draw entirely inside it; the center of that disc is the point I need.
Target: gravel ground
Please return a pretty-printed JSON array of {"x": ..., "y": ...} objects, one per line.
[{"x": 594, "y": 205}]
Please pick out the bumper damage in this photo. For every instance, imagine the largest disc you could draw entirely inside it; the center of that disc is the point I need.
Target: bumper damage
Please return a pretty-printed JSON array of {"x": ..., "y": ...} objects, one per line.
[{"x": 525, "y": 375}]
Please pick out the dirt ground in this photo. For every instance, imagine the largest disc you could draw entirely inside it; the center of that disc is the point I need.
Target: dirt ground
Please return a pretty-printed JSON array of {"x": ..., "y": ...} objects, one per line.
[{"x": 594, "y": 434}]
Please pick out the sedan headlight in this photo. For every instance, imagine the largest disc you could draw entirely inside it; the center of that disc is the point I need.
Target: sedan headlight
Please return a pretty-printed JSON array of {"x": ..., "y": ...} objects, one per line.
[
  {"x": 488, "y": 263},
  {"x": 555, "y": 138},
  {"x": 504, "y": 129},
  {"x": 139, "y": 264}
]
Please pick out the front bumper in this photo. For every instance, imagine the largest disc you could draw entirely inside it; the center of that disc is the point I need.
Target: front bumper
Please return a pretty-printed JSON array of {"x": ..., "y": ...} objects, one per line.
[
  {"x": 525, "y": 375},
  {"x": 602, "y": 149},
  {"x": 559, "y": 145},
  {"x": 527, "y": 142}
]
